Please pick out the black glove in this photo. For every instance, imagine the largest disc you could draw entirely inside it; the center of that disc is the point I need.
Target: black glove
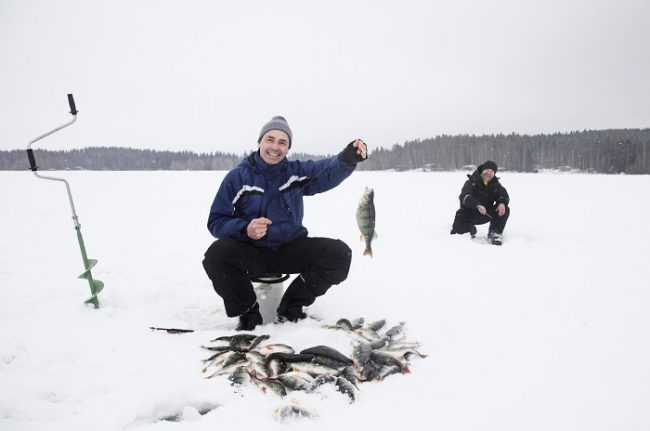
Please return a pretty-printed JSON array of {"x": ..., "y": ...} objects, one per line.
[{"x": 349, "y": 154}]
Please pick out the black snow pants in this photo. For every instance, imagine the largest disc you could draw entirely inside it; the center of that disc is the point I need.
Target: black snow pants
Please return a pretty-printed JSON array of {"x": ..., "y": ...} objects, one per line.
[
  {"x": 465, "y": 219},
  {"x": 230, "y": 264}
]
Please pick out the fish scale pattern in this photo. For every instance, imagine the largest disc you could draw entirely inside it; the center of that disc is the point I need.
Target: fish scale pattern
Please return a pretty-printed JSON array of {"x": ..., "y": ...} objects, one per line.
[{"x": 276, "y": 368}]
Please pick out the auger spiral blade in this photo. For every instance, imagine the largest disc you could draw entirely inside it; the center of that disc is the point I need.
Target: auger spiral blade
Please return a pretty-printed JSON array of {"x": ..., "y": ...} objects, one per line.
[{"x": 96, "y": 286}]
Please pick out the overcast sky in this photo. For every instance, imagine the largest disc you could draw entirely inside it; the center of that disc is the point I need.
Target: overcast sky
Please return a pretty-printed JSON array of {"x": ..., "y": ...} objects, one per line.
[{"x": 205, "y": 75}]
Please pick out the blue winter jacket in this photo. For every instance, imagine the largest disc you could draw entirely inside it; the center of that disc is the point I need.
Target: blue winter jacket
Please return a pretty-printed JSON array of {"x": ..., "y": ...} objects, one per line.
[{"x": 256, "y": 189}]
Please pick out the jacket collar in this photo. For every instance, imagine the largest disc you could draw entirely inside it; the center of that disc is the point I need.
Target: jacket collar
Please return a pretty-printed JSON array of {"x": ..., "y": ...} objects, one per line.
[
  {"x": 476, "y": 177},
  {"x": 256, "y": 161}
]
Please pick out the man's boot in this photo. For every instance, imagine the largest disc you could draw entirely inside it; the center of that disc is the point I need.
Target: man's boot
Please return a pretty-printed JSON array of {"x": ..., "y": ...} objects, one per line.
[
  {"x": 495, "y": 238},
  {"x": 250, "y": 319},
  {"x": 292, "y": 313},
  {"x": 298, "y": 294}
]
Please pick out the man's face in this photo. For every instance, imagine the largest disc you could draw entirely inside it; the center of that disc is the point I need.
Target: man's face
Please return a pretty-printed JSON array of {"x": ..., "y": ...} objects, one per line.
[
  {"x": 487, "y": 175},
  {"x": 274, "y": 146}
]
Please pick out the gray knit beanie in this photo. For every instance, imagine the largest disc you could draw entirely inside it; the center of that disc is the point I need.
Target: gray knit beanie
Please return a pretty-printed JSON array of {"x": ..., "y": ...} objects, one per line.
[{"x": 276, "y": 123}]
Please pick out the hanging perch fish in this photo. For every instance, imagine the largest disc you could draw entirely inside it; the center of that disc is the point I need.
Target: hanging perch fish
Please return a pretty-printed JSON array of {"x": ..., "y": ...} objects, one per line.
[{"x": 366, "y": 219}]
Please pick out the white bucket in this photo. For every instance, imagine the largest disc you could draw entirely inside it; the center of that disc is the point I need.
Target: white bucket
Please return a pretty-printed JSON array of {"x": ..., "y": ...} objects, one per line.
[{"x": 268, "y": 298}]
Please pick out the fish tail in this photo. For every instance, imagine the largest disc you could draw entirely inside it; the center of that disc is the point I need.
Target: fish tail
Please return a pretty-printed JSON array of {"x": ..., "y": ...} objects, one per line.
[{"x": 367, "y": 252}]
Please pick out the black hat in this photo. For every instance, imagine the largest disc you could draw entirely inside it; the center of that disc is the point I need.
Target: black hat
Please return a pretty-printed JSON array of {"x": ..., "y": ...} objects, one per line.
[{"x": 488, "y": 165}]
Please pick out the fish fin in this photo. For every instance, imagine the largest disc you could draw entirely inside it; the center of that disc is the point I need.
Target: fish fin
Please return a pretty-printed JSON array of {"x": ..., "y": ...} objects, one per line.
[
  {"x": 374, "y": 235},
  {"x": 361, "y": 237}
]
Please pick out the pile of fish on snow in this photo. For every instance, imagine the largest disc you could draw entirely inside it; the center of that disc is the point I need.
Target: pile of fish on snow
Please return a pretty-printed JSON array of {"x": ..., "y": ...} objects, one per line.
[{"x": 277, "y": 368}]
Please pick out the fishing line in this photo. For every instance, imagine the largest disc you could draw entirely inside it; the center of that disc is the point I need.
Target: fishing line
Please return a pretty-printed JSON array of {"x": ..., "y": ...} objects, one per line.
[
  {"x": 311, "y": 180},
  {"x": 317, "y": 175}
]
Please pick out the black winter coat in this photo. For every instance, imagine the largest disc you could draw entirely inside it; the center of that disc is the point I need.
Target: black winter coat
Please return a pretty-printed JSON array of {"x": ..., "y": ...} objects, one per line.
[{"x": 475, "y": 193}]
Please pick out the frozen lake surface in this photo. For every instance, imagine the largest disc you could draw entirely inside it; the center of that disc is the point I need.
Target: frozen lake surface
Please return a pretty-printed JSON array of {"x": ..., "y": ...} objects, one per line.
[{"x": 551, "y": 331}]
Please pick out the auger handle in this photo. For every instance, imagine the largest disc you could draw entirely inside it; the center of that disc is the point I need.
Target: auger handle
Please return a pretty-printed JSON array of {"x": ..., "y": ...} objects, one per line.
[
  {"x": 32, "y": 160},
  {"x": 73, "y": 108},
  {"x": 30, "y": 153}
]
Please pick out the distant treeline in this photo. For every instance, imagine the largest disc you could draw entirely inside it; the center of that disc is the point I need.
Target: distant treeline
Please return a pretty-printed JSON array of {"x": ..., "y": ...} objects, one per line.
[
  {"x": 601, "y": 151},
  {"x": 125, "y": 159},
  {"x": 118, "y": 159}
]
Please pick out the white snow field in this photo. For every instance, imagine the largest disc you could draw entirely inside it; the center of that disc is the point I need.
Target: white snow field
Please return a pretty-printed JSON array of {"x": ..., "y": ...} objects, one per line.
[{"x": 551, "y": 331}]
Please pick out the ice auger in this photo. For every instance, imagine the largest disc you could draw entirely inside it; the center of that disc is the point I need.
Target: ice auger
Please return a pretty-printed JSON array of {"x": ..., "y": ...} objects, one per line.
[{"x": 96, "y": 286}]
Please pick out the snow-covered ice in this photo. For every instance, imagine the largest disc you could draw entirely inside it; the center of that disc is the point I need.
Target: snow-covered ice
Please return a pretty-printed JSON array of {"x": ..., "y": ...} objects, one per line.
[{"x": 551, "y": 331}]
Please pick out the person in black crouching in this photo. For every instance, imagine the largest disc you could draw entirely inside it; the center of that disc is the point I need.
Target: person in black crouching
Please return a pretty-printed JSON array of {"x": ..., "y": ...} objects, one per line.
[{"x": 483, "y": 199}]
